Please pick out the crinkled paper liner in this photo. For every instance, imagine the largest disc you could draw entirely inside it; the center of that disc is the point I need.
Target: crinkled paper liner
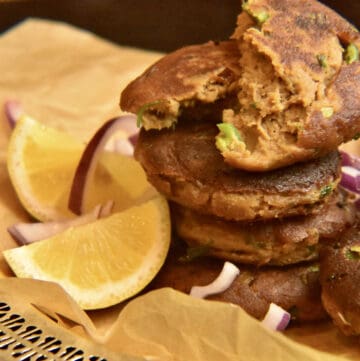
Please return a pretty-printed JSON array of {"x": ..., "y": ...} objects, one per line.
[{"x": 70, "y": 79}]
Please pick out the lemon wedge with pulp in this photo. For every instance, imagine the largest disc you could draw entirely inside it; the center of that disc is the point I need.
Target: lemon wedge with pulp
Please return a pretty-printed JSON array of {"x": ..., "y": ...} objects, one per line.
[
  {"x": 101, "y": 263},
  {"x": 119, "y": 178},
  {"x": 41, "y": 163}
]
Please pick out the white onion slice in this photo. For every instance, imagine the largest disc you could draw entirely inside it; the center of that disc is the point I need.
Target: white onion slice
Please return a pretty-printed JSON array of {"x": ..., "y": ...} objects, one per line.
[
  {"x": 220, "y": 284},
  {"x": 350, "y": 178},
  {"x": 26, "y": 233},
  {"x": 13, "y": 111},
  {"x": 90, "y": 157},
  {"x": 276, "y": 319}
]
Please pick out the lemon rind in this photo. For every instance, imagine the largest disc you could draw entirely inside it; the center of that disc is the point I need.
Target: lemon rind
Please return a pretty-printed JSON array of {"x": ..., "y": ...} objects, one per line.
[{"x": 110, "y": 293}]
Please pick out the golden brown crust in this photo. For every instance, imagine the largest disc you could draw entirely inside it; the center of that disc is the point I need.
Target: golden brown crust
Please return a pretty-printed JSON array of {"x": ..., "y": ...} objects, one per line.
[
  {"x": 294, "y": 34},
  {"x": 344, "y": 124},
  {"x": 340, "y": 278},
  {"x": 276, "y": 242},
  {"x": 295, "y": 288},
  {"x": 201, "y": 73},
  {"x": 298, "y": 97},
  {"x": 185, "y": 165}
]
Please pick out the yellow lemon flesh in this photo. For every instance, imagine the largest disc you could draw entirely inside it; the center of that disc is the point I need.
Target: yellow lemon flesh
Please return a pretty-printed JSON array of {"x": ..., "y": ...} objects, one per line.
[
  {"x": 119, "y": 178},
  {"x": 41, "y": 163},
  {"x": 101, "y": 263}
]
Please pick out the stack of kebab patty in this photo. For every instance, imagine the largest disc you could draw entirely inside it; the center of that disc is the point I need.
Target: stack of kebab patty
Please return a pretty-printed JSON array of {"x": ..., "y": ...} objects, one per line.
[{"x": 241, "y": 136}]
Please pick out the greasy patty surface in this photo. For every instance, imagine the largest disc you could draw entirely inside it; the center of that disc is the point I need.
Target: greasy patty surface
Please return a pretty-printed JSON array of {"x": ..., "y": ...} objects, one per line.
[
  {"x": 186, "y": 167},
  {"x": 340, "y": 279},
  {"x": 295, "y": 288},
  {"x": 292, "y": 74},
  {"x": 187, "y": 77},
  {"x": 276, "y": 242}
]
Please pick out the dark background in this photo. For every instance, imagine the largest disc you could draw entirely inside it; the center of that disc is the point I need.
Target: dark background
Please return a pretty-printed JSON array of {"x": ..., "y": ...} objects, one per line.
[{"x": 153, "y": 24}]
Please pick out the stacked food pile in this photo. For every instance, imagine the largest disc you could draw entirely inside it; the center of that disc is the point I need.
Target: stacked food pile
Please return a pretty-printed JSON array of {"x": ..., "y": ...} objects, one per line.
[{"x": 241, "y": 136}]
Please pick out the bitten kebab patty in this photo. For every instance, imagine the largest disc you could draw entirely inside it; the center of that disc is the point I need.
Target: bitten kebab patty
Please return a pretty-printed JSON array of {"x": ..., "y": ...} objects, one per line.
[
  {"x": 299, "y": 88},
  {"x": 186, "y": 167},
  {"x": 340, "y": 279},
  {"x": 197, "y": 80},
  {"x": 285, "y": 90},
  {"x": 294, "y": 288},
  {"x": 276, "y": 242}
]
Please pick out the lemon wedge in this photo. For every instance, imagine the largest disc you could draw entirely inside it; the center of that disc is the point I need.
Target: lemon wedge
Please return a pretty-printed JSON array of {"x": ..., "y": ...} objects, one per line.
[
  {"x": 102, "y": 176},
  {"x": 101, "y": 263},
  {"x": 119, "y": 178},
  {"x": 41, "y": 163}
]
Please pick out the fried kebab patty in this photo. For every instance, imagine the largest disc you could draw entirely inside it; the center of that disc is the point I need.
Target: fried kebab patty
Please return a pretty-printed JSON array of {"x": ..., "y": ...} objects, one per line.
[
  {"x": 186, "y": 167},
  {"x": 285, "y": 90},
  {"x": 294, "y": 288},
  {"x": 299, "y": 88},
  {"x": 189, "y": 80},
  {"x": 275, "y": 242},
  {"x": 340, "y": 279}
]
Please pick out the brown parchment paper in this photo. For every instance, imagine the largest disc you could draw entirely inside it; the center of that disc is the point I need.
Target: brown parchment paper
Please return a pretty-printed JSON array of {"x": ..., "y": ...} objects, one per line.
[{"x": 70, "y": 79}]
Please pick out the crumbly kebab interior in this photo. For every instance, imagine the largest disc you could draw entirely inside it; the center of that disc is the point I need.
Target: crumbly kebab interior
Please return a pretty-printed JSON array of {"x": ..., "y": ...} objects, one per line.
[
  {"x": 279, "y": 87},
  {"x": 194, "y": 82},
  {"x": 287, "y": 93}
]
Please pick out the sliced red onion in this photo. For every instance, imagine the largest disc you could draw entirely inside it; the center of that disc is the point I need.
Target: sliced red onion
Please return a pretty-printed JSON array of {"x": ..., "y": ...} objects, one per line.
[
  {"x": 343, "y": 319},
  {"x": 123, "y": 146},
  {"x": 350, "y": 178},
  {"x": 128, "y": 124},
  {"x": 351, "y": 160},
  {"x": 26, "y": 233},
  {"x": 276, "y": 319},
  {"x": 90, "y": 157},
  {"x": 120, "y": 145},
  {"x": 106, "y": 209},
  {"x": 134, "y": 138},
  {"x": 13, "y": 111},
  {"x": 220, "y": 284},
  {"x": 357, "y": 204}
]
